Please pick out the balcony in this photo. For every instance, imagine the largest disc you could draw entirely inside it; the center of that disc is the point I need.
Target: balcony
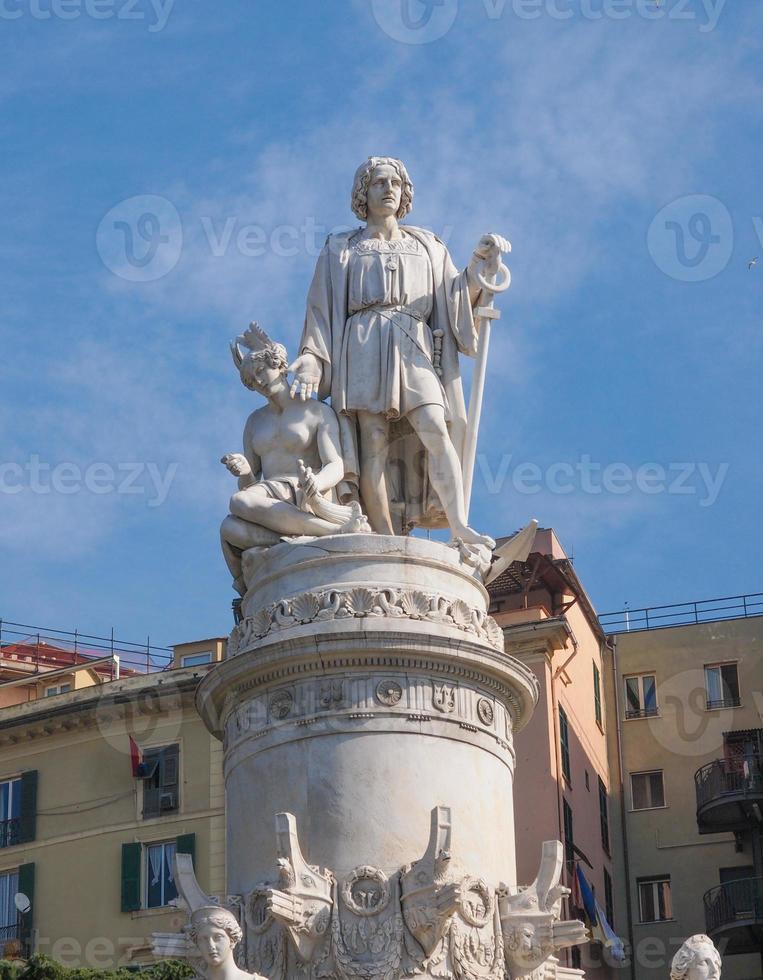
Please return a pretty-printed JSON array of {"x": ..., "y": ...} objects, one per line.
[
  {"x": 734, "y": 915},
  {"x": 9, "y": 835},
  {"x": 729, "y": 795}
]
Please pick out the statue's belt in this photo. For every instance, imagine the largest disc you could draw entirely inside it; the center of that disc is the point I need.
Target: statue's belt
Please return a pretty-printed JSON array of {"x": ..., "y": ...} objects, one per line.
[{"x": 390, "y": 310}]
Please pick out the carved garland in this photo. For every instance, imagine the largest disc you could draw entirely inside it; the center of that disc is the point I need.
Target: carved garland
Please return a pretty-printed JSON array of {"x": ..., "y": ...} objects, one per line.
[{"x": 359, "y": 602}]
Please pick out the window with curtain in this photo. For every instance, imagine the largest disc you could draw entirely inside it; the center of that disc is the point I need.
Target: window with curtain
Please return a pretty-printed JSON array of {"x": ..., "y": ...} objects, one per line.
[
  {"x": 159, "y": 872},
  {"x": 654, "y": 899},
  {"x": 10, "y": 811},
  {"x": 647, "y": 790},
  {"x": 722, "y": 686},
  {"x": 9, "y": 886},
  {"x": 640, "y": 696}
]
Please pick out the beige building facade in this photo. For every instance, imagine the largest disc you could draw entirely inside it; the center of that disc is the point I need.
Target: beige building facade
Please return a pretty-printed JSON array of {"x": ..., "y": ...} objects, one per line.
[
  {"x": 85, "y": 842},
  {"x": 686, "y": 751}
]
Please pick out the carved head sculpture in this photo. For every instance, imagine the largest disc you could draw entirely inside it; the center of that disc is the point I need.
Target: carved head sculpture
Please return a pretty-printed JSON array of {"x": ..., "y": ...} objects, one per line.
[
  {"x": 262, "y": 363},
  {"x": 697, "y": 959},
  {"x": 362, "y": 180},
  {"x": 523, "y": 943},
  {"x": 216, "y": 933}
]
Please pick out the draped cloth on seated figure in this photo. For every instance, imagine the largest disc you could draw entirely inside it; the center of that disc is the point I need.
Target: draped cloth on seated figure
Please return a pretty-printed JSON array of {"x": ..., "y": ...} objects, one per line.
[{"x": 372, "y": 312}]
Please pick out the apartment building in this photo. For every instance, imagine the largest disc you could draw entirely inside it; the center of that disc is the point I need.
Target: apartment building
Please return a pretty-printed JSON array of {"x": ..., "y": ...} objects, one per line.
[
  {"x": 101, "y": 781},
  {"x": 687, "y": 750},
  {"x": 562, "y": 783}
]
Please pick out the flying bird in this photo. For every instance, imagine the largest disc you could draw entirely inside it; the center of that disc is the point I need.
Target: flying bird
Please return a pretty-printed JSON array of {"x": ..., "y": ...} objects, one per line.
[{"x": 753, "y": 262}]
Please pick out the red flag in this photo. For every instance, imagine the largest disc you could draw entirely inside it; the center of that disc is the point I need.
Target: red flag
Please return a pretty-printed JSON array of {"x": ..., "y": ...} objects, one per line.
[{"x": 135, "y": 757}]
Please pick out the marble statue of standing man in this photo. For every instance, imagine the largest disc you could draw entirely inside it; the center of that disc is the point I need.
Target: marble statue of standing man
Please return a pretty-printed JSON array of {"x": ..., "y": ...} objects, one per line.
[{"x": 387, "y": 315}]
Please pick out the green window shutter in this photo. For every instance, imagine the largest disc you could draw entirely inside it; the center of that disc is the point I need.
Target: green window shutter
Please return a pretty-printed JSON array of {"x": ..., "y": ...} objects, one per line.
[
  {"x": 28, "y": 814},
  {"x": 186, "y": 844},
  {"x": 26, "y": 919},
  {"x": 132, "y": 856}
]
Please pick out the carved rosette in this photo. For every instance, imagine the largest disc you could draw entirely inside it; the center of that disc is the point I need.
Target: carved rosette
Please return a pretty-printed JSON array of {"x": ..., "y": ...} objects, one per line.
[{"x": 360, "y": 603}]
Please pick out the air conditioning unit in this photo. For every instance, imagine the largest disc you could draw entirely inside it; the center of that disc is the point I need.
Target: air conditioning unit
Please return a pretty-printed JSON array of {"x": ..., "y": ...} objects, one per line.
[
  {"x": 168, "y": 801},
  {"x": 146, "y": 770}
]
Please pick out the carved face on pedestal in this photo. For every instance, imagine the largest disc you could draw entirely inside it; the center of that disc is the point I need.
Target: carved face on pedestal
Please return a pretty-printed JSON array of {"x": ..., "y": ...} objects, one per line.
[
  {"x": 214, "y": 944},
  {"x": 697, "y": 959},
  {"x": 216, "y": 934}
]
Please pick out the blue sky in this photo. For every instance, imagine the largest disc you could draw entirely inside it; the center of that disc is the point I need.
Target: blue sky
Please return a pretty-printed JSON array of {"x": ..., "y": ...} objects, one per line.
[{"x": 617, "y": 147}]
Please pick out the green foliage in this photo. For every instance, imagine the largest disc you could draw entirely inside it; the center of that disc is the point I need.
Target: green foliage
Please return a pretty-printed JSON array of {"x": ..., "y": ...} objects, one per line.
[{"x": 40, "y": 967}]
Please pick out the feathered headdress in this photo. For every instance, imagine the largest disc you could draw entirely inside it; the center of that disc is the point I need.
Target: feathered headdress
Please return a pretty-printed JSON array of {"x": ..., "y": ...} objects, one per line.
[{"x": 256, "y": 341}]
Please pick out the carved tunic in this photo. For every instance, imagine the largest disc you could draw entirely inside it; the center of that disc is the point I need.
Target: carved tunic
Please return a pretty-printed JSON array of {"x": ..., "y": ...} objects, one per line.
[
  {"x": 386, "y": 366},
  {"x": 372, "y": 312}
]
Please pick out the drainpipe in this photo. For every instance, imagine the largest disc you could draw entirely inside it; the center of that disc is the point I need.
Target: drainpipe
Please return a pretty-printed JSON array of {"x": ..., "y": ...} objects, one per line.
[{"x": 611, "y": 643}]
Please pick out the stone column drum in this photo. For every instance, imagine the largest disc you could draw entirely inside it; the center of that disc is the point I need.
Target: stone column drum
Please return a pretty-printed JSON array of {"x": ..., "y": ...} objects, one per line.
[{"x": 365, "y": 686}]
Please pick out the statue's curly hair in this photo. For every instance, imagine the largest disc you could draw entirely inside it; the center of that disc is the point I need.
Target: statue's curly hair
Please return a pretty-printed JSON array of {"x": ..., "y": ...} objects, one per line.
[
  {"x": 688, "y": 953},
  {"x": 363, "y": 177},
  {"x": 275, "y": 356},
  {"x": 222, "y": 919}
]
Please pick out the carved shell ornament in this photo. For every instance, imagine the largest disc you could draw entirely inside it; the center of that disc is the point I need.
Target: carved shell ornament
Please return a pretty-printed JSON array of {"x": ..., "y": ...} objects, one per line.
[{"x": 360, "y": 602}]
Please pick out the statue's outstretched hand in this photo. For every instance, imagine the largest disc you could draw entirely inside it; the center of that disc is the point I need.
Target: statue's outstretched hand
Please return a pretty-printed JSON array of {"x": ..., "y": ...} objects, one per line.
[
  {"x": 237, "y": 464},
  {"x": 307, "y": 373},
  {"x": 489, "y": 250}
]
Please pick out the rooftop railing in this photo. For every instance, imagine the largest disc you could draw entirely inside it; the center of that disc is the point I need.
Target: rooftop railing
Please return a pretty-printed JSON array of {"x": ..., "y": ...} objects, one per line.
[
  {"x": 41, "y": 647},
  {"x": 683, "y": 613}
]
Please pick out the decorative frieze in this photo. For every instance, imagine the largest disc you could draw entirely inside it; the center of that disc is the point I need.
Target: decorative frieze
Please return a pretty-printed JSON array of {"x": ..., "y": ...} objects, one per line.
[{"x": 364, "y": 603}]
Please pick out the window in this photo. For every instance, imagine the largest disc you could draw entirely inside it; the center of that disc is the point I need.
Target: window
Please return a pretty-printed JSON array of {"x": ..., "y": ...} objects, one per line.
[
  {"x": 161, "y": 788},
  {"x": 609, "y": 903},
  {"x": 640, "y": 696},
  {"x": 10, "y": 811},
  {"x": 647, "y": 790},
  {"x": 57, "y": 689},
  {"x": 564, "y": 739},
  {"x": 196, "y": 659},
  {"x": 9, "y": 918},
  {"x": 604, "y": 815},
  {"x": 569, "y": 837},
  {"x": 160, "y": 874},
  {"x": 577, "y": 959},
  {"x": 148, "y": 872},
  {"x": 722, "y": 686},
  {"x": 597, "y": 695},
  {"x": 654, "y": 899}
]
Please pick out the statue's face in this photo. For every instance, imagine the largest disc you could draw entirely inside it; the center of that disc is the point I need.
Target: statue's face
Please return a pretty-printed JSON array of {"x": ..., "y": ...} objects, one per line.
[
  {"x": 262, "y": 377},
  {"x": 214, "y": 944},
  {"x": 385, "y": 189},
  {"x": 705, "y": 965}
]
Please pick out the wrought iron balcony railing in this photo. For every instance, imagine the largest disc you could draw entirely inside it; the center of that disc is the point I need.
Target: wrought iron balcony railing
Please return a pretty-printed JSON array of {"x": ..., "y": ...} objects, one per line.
[
  {"x": 740, "y": 777},
  {"x": 729, "y": 702},
  {"x": 641, "y": 713},
  {"x": 9, "y": 835},
  {"x": 739, "y": 901}
]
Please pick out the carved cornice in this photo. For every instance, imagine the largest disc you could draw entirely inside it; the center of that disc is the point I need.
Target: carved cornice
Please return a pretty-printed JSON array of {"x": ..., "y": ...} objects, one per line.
[{"x": 409, "y": 647}]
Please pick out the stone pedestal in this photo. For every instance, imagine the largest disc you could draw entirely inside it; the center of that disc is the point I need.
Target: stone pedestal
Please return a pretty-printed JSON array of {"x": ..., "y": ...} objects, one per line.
[
  {"x": 366, "y": 693},
  {"x": 367, "y": 686}
]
